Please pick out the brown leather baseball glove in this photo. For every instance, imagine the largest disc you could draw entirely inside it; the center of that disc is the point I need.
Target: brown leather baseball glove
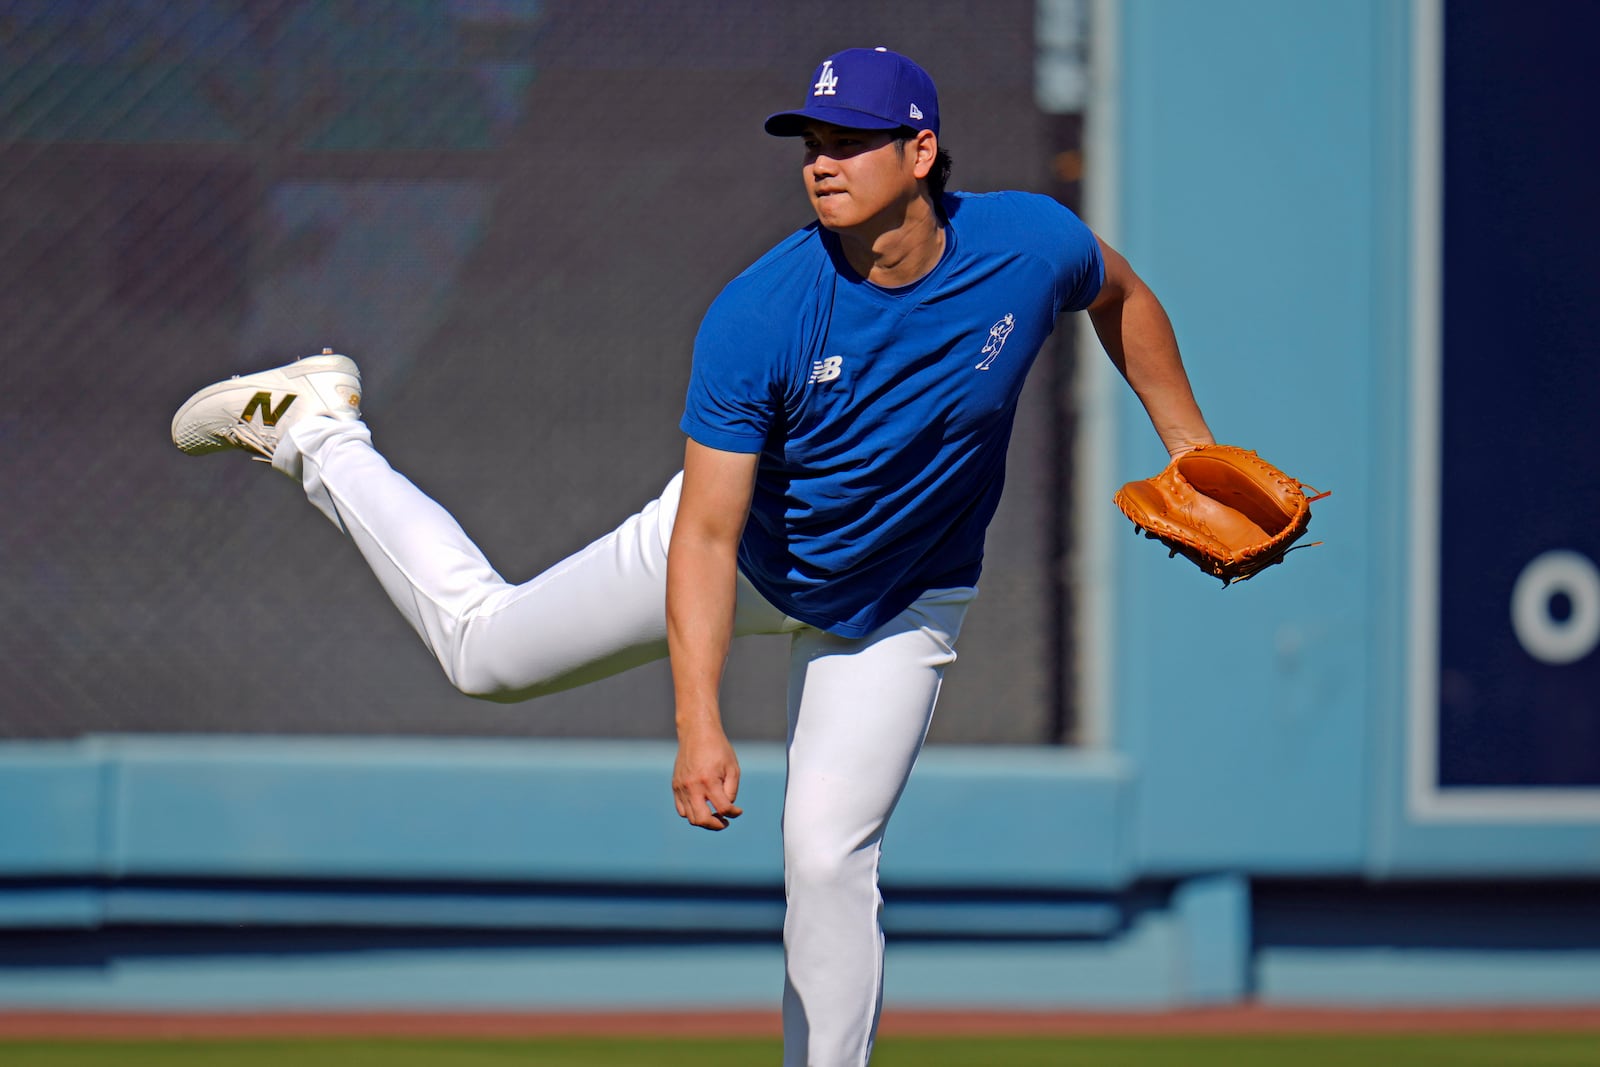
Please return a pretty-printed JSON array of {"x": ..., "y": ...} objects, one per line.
[{"x": 1226, "y": 509}]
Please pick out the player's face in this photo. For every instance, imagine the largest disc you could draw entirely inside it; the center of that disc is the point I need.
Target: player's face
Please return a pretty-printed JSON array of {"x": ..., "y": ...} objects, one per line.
[{"x": 858, "y": 180}]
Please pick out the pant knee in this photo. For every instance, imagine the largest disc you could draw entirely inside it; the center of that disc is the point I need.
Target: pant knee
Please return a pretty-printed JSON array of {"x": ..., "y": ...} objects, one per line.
[
  {"x": 473, "y": 678},
  {"x": 468, "y": 669}
]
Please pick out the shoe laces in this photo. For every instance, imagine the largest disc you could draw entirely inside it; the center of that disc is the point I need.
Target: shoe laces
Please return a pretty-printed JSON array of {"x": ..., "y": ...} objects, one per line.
[{"x": 245, "y": 436}]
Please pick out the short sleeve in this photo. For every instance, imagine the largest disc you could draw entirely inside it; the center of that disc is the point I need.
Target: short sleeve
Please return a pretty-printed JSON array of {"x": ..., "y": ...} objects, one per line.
[
  {"x": 732, "y": 401},
  {"x": 1080, "y": 268}
]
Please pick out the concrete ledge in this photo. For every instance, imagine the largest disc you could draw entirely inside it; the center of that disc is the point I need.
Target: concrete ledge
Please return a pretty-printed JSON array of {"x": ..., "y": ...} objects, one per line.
[
  {"x": 551, "y": 811},
  {"x": 570, "y": 910}
]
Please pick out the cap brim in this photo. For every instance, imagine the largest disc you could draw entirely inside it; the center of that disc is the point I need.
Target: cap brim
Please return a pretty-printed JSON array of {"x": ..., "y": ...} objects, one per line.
[{"x": 794, "y": 123}]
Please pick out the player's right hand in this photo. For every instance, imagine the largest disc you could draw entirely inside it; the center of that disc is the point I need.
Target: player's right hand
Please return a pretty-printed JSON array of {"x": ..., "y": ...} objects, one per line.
[{"x": 705, "y": 779}]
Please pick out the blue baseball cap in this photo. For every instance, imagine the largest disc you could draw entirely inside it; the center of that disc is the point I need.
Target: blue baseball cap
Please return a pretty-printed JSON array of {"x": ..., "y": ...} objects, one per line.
[{"x": 864, "y": 89}]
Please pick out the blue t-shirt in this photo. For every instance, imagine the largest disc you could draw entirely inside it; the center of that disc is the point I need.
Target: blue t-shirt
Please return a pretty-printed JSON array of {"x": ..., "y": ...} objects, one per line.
[{"x": 882, "y": 416}]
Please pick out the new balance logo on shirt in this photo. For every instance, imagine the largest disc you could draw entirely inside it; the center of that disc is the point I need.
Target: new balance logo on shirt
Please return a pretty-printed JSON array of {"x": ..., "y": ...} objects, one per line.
[{"x": 826, "y": 370}]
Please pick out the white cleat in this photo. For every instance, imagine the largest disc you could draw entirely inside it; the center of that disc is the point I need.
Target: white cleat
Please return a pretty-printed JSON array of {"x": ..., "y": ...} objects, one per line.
[{"x": 253, "y": 411}]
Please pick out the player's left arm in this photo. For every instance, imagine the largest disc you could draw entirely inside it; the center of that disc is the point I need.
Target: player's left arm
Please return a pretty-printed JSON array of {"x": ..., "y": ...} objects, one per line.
[{"x": 1136, "y": 333}]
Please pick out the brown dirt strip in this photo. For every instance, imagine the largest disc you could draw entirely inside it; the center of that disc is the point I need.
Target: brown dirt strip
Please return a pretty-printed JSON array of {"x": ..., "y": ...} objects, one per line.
[{"x": 1248, "y": 1020}]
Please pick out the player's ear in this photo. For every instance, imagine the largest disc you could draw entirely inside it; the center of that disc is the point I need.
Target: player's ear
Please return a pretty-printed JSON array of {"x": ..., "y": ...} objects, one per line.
[{"x": 925, "y": 147}]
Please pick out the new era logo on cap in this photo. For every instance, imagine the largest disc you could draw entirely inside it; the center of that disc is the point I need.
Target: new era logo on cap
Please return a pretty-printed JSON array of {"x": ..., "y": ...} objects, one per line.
[{"x": 864, "y": 89}]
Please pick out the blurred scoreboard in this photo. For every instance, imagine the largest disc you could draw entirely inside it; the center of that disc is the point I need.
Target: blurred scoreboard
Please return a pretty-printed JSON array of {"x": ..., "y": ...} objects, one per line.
[{"x": 1519, "y": 507}]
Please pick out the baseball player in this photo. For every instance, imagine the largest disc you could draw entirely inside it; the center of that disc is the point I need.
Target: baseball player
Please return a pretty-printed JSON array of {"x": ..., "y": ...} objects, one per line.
[{"x": 849, "y": 407}]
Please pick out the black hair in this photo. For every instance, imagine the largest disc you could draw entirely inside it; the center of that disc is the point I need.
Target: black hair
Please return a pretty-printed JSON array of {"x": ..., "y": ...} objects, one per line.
[{"x": 938, "y": 174}]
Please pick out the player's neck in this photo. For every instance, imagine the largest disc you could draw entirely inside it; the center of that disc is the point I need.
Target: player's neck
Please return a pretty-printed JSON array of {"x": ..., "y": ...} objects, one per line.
[{"x": 898, "y": 250}]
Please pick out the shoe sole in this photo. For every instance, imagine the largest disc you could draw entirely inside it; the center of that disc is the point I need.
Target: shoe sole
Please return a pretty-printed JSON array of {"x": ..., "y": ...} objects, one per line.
[{"x": 299, "y": 369}]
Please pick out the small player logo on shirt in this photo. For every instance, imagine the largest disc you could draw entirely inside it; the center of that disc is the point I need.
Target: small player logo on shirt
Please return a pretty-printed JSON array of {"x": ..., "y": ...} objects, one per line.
[
  {"x": 997, "y": 340},
  {"x": 826, "y": 370}
]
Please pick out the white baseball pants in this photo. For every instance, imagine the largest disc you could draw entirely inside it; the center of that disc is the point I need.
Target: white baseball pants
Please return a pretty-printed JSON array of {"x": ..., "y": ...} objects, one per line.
[{"x": 858, "y": 709}]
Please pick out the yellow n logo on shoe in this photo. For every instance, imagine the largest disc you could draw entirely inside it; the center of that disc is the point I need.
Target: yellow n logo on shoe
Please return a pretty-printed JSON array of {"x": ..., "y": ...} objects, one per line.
[{"x": 262, "y": 402}]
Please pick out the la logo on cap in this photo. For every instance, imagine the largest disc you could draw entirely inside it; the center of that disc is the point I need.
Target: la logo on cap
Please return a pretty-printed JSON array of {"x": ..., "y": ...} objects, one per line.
[{"x": 827, "y": 81}]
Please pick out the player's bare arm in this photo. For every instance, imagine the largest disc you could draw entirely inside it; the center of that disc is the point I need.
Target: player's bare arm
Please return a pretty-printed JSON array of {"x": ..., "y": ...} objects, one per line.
[
  {"x": 702, "y": 579},
  {"x": 1136, "y": 333}
]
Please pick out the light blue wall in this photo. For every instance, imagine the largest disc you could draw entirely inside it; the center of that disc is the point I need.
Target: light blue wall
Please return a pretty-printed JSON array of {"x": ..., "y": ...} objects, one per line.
[
  {"x": 1249, "y": 184},
  {"x": 1263, "y": 175}
]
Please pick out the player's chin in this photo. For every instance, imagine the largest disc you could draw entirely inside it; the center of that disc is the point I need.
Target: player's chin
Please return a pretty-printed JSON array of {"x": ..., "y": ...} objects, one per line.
[{"x": 833, "y": 211}]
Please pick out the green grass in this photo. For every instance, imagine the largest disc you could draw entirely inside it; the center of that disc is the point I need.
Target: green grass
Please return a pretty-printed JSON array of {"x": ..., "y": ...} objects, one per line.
[{"x": 1469, "y": 1050}]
